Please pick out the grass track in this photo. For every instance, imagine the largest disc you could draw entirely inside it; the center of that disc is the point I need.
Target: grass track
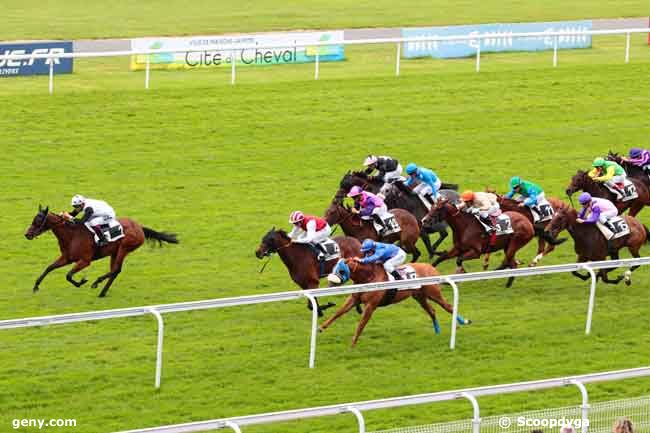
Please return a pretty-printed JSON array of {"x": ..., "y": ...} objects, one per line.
[{"x": 220, "y": 165}]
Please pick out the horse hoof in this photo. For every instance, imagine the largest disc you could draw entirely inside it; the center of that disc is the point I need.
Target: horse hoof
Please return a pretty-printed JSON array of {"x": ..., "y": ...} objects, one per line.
[
  {"x": 320, "y": 329},
  {"x": 35, "y": 289},
  {"x": 82, "y": 282},
  {"x": 95, "y": 285},
  {"x": 468, "y": 322}
]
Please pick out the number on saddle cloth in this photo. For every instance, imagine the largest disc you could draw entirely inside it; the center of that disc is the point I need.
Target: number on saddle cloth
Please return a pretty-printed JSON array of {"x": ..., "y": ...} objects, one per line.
[
  {"x": 406, "y": 272},
  {"x": 628, "y": 192},
  {"x": 390, "y": 225},
  {"x": 112, "y": 230},
  {"x": 542, "y": 212}
]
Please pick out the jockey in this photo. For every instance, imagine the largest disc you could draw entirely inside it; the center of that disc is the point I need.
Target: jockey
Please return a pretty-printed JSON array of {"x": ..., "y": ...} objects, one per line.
[
  {"x": 597, "y": 209},
  {"x": 429, "y": 184},
  {"x": 367, "y": 205},
  {"x": 532, "y": 194},
  {"x": 639, "y": 157},
  {"x": 95, "y": 214},
  {"x": 609, "y": 172},
  {"x": 377, "y": 252},
  {"x": 309, "y": 229},
  {"x": 388, "y": 169},
  {"x": 483, "y": 204}
]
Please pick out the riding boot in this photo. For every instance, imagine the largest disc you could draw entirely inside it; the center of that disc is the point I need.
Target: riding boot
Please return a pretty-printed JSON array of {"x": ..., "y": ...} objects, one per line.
[
  {"x": 381, "y": 224},
  {"x": 101, "y": 238},
  {"x": 488, "y": 223},
  {"x": 396, "y": 275},
  {"x": 322, "y": 252}
]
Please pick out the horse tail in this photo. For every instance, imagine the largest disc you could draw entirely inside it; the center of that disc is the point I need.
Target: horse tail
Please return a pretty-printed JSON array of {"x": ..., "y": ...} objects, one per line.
[
  {"x": 452, "y": 186},
  {"x": 161, "y": 237}
]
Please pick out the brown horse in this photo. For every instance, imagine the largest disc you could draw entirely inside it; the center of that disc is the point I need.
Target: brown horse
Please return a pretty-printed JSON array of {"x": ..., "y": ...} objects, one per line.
[
  {"x": 470, "y": 240},
  {"x": 370, "y": 273},
  {"x": 543, "y": 249},
  {"x": 632, "y": 170},
  {"x": 356, "y": 227},
  {"x": 77, "y": 245},
  {"x": 591, "y": 245},
  {"x": 301, "y": 262},
  {"x": 582, "y": 181}
]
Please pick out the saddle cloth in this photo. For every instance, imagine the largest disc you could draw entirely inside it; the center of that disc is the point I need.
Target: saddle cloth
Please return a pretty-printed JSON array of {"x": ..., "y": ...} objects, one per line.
[
  {"x": 542, "y": 212},
  {"x": 629, "y": 191},
  {"x": 616, "y": 228},
  {"x": 406, "y": 272},
  {"x": 112, "y": 231},
  {"x": 390, "y": 225},
  {"x": 503, "y": 225}
]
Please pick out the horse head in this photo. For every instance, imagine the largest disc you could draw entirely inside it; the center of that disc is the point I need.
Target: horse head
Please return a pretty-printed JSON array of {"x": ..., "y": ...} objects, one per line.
[
  {"x": 579, "y": 181},
  {"x": 39, "y": 223},
  {"x": 561, "y": 221},
  {"x": 272, "y": 242},
  {"x": 340, "y": 273},
  {"x": 437, "y": 211},
  {"x": 337, "y": 212}
]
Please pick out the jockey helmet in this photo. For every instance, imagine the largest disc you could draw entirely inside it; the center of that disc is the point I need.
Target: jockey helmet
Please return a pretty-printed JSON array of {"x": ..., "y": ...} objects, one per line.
[
  {"x": 467, "y": 195},
  {"x": 355, "y": 191},
  {"x": 296, "y": 216},
  {"x": 411, "y": 168},
  {"x": 78, "y": 200},
  {"x": 598, "y": 162},
  {"x": 584, "y": 198},
  {"x": 367, "y": 245},
  {"x": 370, "y": 160},
  {"x": 515, "y": 181},
  {"x": 635, "y": 152}
]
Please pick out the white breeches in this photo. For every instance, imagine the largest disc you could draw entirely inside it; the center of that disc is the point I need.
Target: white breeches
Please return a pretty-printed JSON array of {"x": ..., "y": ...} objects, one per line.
[
  {"x": 617, "y": 179},
  {"x": 97, "y": 220},
  {"x": 393, "y": 262},
  {"x": 382, "y": 211},
  {"x": 396, "y": 174},
  {"x": 492, "y": 211},
  {"x": 604, "y": 216},
  {"x": 316, "y": 237}
]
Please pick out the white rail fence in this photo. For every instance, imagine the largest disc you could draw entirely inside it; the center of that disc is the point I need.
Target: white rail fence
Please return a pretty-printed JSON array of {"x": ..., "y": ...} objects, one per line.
[
  {"x": 312, "y": 295},
  {"x": 357, "y": 408},
  {"x": 398, "y": 41}
]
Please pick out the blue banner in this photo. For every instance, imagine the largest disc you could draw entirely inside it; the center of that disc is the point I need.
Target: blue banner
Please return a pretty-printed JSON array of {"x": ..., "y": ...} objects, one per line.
[
  {"x": 32, "y": 66},
  {"x": 501, "y": 38}
]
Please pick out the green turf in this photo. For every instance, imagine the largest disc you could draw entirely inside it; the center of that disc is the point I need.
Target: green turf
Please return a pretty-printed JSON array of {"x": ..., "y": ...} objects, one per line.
[
  {"x": 75, "y": 19},
  {"x": 220, "y": 165}
]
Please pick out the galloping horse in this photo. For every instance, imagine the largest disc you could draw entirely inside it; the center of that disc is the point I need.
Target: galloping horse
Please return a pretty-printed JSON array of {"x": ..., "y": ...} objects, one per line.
[
  {"x": 370, "y": 273},
  {"x": 400, "y": 196},
  {"x": 301, "y": 262},
  {"x": 507, "y": 204},
  {"x": 470, "y": 240},
  {"x": 77, "y": 245},
  {"x": 354, "y": 226},
  {"x": 582, "y": 181},
  {"x": 591, "y": 245},
  {"x": 632, "y": 170}
]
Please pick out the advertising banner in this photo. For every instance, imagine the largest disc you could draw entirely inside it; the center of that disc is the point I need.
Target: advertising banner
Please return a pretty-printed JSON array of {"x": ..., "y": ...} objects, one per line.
[
  {"x": 217, "y": 51},
  {"x": 32, "y": 66},
  {"x": 500, "y": 39}
]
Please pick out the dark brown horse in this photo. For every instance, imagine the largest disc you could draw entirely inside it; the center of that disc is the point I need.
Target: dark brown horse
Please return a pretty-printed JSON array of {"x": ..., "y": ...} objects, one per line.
[
  {"x": 370, "y": 273},
  {"x": 470, "y": 240},
  {"x": 591, "y": 245},
  {"x": 632, "y": 170},
  {"x": 544, "y": 247},
  {"x": 356, "y": 227},
  {"x": 300, "y": 260},
  {"x": 582, "y": 181},
  {"x": 77, "y": 246}
]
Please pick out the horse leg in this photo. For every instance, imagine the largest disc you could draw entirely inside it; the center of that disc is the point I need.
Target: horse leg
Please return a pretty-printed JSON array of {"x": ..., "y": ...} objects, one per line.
[
  {"x": 347, "y": 306},
  {"x": 509, "y": 261},
  {"x": 442, "y": 236},
  {"x": 467, "y": 255},
  {"x": 76, "y": 268},
  {"x": 367, "y": 313},
  {"x": 116, "y": 268},
  {"x": 61, "y": 261},
  {"x": 427, "y": 242},
  {"x": 446, "y": 255},
  {"x": 410, "y": 247},
  {"x": 422, "y": 300},
  {"x": 541, "y": 243},
  {"x": 634, "y": 250},
  {"x": 604, "y": 273},
  {"x": 95, "y": 284},
  {"x": 434, "y": 293}
]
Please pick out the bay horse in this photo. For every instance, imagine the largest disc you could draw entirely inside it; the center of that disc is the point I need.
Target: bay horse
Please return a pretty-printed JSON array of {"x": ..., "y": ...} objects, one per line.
[
  {"x": 582, "y": 181},
  {"x": 400, "y": 196},
  {"x": 544, "y": 245},
  {"x": 77, "y": 246},
  {"x": 370, "y": 273},
  {"x": 591, "y": 245},
  {"x": 471, "y": 241},
  {"x": 356, "y": 227},
  {"x": 300, "y": 260},
  {"x": 632, "y": 170}
]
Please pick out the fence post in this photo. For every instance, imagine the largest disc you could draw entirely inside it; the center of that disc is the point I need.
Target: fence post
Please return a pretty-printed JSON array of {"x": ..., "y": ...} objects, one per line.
[
  {"x": 454, "y": 314},
  {"x": 233, "y": 426},
  {"x": 627, "y": 48},
  {"x": 478, "y": 57},
  {"x": 317, "y": 67},
  {"x": 233, "y": 72},
  {"x": 555, "y": 51},
  {"x": 399, "y": 54},
  {"x": 147, "y": 72},
  {"x": 314, "y": 325},
  {"x": 359, "y": 415},
  {"x": 159, "y": 351},
  {"x": 585, "y": 404},
  {"x": 51, "y": 85},
  {"x": 476, "y": 421},
  {"x": 592, "y": 297}
]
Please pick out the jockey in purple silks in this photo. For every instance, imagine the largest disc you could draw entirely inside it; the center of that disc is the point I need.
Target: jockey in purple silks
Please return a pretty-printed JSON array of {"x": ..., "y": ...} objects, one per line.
[
  {"x": 595, "y": 209},
  {"x": 367, "y": 205},
  {"x": 639, "y": 157}
]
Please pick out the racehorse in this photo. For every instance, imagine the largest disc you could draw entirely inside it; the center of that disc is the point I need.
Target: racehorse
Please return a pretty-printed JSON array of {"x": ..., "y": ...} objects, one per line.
[
  {"x": 582, "y": 181},
  {"x": 591, "y": 245},
  {"x": 354, "y": 226},
  {"x": 470, "y": 240},
  {"x": 77, "y": 245},
  {"x": 400, "y": 196},
  {"x": 300, "y": 260},
  {"x": 370, "y": 273},
  {"x": 543, "y": 249},
  {"x": 632, "y": 170}
]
